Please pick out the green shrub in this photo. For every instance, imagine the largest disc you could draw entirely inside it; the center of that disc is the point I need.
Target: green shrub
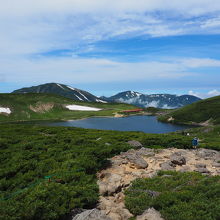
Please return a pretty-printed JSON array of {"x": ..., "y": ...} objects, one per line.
[{"x": 181, "y": 196}]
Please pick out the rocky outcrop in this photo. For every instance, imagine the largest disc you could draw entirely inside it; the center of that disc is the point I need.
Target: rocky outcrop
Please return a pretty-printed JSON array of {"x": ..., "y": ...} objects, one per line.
[
  {"x": 150, "y": 214},
  {"x": 135, "y": 144},
  {"x": 145, "y": 163},
  {"x": 93, "y": 214}
]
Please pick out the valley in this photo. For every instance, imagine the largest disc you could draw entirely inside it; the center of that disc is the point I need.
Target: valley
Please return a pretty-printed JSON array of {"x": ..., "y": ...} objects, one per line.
[{"x": 66, "y": 172}]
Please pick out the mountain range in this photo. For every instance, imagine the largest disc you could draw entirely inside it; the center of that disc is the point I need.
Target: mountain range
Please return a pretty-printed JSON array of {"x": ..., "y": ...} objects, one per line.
[
  {"x": 167, "y": 101},
  {"x": 154, "y": 100}
]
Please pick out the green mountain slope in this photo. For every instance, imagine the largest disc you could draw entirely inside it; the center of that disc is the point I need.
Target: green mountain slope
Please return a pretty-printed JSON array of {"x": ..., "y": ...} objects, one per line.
[
  {"x": 198, "y": 112},
  {"x": 33, "y": 106}
]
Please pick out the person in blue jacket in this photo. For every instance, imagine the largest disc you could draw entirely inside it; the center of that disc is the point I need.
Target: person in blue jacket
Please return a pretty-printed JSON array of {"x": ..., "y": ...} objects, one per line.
[{"x": 195, "y": 142}]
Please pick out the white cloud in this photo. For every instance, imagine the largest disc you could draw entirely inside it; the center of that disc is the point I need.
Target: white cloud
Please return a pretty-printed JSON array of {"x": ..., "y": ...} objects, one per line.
[
  {"x": 78, "y": 70},
  {"x": 200, "y": 62},
  {"x": 28, "y": 27},
  {"x": 205, "y": 95},
  {"x": 214, "y": 93}
]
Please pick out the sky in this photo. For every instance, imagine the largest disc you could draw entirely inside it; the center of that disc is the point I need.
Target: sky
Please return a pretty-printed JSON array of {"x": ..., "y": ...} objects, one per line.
[{"x": 109, "y": 46}]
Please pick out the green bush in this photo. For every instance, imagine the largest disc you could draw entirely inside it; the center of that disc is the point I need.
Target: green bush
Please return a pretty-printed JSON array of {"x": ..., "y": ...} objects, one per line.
[{"x": 182, "y": 196}]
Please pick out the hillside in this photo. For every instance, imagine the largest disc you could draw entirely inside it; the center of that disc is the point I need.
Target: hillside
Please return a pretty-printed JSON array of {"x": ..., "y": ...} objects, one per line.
[
  {"x": 198, "y": 112},
  {"x": 15, "y": 107},
  {"x": 62, "y": 90},
  {"x": 165, "y": 101}
]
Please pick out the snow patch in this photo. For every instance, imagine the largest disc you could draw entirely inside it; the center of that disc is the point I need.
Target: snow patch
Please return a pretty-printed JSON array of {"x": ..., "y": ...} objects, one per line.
[
  {"x": 71, "y": 88},
  {"x": 5, "y": 110},
  {"x": 60, "y": 86},
  {"x": 82, "y": 95},
  {"x": 78, "y": 97},
  {"x": 99, "y": 100},
  {"x": 82, "y": 108}
]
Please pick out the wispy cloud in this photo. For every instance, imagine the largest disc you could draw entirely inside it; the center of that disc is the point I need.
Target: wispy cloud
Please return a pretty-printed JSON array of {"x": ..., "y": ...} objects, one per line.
[
  {"x": 30, "y": 30},
  {"x": 37, "y": 26},
  {"x": 203, "y": 95}
]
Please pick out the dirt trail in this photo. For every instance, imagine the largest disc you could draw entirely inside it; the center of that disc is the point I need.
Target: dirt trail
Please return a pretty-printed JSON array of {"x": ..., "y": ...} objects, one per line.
[{"x": 145, "y": 163}]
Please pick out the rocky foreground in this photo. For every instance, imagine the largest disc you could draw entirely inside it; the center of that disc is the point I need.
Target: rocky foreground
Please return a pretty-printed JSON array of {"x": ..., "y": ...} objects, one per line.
[{"x": 144, "y": 163}]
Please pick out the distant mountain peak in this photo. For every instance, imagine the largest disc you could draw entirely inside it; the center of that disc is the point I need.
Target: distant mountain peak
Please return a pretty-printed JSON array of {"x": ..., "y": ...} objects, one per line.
[
  {"x": 62, "y": 90},
  {"x": 153, "y": 100}
]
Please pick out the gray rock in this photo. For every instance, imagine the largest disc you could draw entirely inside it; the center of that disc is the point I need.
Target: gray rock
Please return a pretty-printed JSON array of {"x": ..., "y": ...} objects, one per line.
[
  {"x": 147, "y": 152},
  {"x": 135, "y": 144},
  {"x": 167, "y": 166},
  {"x": 200, "y": 165},
  {"x": 206, "y": 153},
  {"x": 150, "y": 214},
  {"x": 93, "y": 214},
  {"x": 202, "y": 170},
  {"x": 185, "y": 169},
  {"x": 216, "y": 165},
  {"x": 178, "y": 159},
  {"x": 110, "y": 185},
  {"x": 137, "y": 161}
]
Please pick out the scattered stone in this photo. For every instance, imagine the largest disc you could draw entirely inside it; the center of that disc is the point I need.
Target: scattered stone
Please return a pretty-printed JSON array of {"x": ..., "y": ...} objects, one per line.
[
  {"x": 146, "y": 152},
  {"x": 185, "y": 169},
  {"x": 167, "y": 166},
  {"x": 178, "y": 159},
  {"x": 110, "y": 184},
  {"x": 137, "y": 161},
  {"x": 150, "y": 214},
  {"x": 131, "y": 165},
  {"x": 200, "y": 165},
  {"x": 202, "y": 170},
  {"x": 135, "y": 144},
  {"x": 93, "y": 214},
  {"x": 206, "y": 153},
  {"x": 216, "y": 165}
]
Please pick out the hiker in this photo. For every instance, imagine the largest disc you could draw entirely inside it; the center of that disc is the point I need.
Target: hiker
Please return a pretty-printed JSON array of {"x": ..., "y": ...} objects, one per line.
[{"x": 195, "y": 142}]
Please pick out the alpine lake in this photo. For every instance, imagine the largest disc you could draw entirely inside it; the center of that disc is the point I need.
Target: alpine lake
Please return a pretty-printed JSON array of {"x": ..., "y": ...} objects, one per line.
[{"x": 143, "y": 123}]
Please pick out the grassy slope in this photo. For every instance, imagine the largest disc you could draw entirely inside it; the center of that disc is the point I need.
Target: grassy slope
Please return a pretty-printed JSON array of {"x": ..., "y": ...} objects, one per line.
[
  {"x": 197, "y": 112},
  {"x": 73, "y": 155},
  {"x": 20, "y": 106}
]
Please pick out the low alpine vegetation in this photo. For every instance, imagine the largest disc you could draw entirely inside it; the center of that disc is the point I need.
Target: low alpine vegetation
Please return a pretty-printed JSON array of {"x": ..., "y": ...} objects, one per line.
[{"x": 181, "y": 196}]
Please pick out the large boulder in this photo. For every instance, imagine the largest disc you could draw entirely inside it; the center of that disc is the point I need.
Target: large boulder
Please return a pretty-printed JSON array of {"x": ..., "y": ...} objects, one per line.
[
  {"x": 135, "y": 144},
  {"x": 178, "y": 159},
  {"x": 137, "y": 161},
  {"x": 93, "y": 214},
  {"x": 206, "y": 153},
  {"x": 110, "y": 184},
  {"x": 167, "y": 166},
  {"x": 150, "y": 214}
]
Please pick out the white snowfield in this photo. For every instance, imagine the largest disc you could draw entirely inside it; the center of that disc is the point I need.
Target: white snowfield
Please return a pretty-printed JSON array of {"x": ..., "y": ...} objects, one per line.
[
  {"x": 5, "y": 110},
  {"x": 82, "y": 108}
]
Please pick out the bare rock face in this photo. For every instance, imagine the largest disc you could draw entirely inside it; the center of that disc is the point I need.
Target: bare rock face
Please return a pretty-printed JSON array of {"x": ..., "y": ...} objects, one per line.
[
  {"x": 178, "y": 159},
  {"x": 93, "y": 214},
  {"x": 145, "y": 163},
  {"x": 135, "y": 144},
  {"x": 150, "y": 214}
]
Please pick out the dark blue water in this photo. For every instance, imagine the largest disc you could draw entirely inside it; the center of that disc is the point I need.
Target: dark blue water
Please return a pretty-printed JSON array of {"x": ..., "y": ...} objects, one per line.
[{"x": 147, "y": 124}]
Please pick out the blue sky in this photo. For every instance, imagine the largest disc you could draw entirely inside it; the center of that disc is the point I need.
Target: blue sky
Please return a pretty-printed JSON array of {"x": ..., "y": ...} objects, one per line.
[{"x": 105, "y": 47}]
